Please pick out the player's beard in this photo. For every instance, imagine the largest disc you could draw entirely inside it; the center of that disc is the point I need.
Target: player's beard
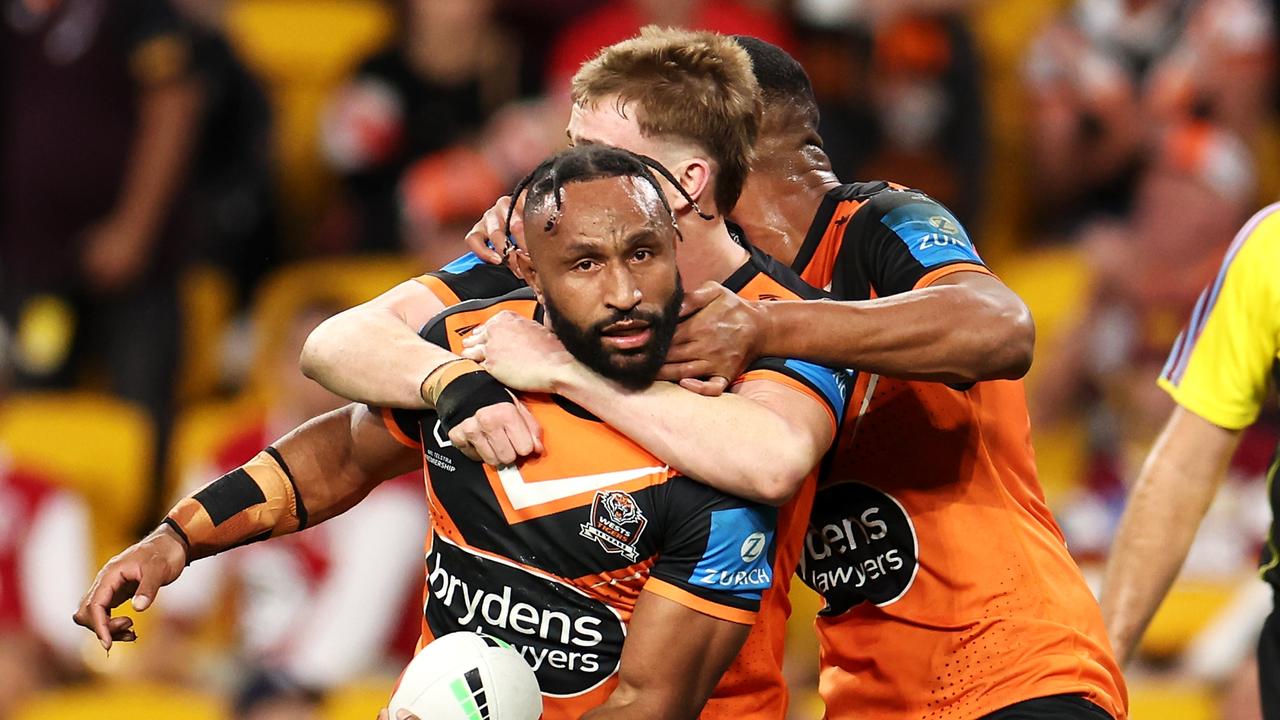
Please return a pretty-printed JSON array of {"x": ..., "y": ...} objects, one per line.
[{"x": 639, "y": 372}]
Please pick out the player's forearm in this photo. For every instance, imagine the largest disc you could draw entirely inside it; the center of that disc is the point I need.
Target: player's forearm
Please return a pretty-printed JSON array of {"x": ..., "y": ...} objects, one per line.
[
  {"x": 312, "y": 474},
  {"x": 671, "y": 662},
  {"x": 728, "y": 442},
  {"x": 1167, "y": 504},
  {"x": 944, "y": 333},
  {"x": 371, "y": 355}
]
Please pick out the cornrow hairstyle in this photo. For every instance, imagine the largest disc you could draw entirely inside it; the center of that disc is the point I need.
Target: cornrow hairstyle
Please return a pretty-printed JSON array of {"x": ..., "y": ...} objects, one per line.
[{"x": 593, "y": 161}]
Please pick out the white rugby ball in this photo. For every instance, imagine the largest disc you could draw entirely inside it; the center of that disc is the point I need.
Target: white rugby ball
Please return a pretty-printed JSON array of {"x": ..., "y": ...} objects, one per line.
[{"x": 468, "y": 676}]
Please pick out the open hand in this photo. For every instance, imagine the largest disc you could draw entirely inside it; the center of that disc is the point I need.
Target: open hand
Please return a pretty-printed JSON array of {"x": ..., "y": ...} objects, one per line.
[
  {"x": 718, "y": 337},
  {"x": 488, "y": 237},
  {"x": 138, "y": 573}
]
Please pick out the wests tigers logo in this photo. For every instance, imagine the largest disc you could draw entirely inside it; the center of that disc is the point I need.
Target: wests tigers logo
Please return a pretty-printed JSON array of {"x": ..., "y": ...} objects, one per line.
[{"x": 616, "y": 523}]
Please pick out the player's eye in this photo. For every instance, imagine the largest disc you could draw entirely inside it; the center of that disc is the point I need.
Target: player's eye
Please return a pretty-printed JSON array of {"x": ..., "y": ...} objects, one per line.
[
  {"x": 642, "y": 254},
  {"x": 585, "y": 265}
]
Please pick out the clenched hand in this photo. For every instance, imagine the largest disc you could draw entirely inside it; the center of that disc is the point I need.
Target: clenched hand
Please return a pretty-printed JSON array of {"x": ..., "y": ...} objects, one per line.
[{"x": 519, "y": 352}]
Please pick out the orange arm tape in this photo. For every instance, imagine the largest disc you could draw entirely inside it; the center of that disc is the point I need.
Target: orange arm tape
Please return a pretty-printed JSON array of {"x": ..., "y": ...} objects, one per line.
[{"x": 256, "y": 501}]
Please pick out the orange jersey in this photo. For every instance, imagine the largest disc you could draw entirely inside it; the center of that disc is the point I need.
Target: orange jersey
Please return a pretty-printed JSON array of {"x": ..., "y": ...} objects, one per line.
[
  {"x": 949, "y": 591},
  {"x": 753, "y": 687}
]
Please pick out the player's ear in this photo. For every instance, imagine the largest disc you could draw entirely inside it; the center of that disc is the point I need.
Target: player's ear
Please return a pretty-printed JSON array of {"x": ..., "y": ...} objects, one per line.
[
  {"x": 523, "y": 266},
  {"x": 694, "y": 175}
]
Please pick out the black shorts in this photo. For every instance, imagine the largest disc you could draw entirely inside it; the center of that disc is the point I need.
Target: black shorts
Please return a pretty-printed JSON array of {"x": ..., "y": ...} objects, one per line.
[
  {"x": 1054, "y": 707},
  {"x": 1269, "y": 667}
]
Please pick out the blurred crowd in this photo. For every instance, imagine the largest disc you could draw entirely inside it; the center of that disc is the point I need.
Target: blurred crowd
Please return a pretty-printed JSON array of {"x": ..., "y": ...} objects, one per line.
[{"x": 187, "y": 187}]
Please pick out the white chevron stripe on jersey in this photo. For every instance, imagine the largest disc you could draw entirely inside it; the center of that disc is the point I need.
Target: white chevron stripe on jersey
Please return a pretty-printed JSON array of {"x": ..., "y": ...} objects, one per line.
[{"x": 524, "y": 494}]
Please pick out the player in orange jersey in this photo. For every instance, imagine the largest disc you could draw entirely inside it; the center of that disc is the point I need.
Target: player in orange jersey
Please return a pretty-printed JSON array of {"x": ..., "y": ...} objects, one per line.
[
  {"x": 949, "y": 590},
  {"x": 627, "y": 586}
]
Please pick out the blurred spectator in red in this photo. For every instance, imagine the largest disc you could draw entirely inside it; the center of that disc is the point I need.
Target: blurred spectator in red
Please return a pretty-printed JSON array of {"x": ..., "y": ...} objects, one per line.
[
  {"x": 449, "y": 69},
  {"x": 442, "y": 194},
  {"x": 618, "y": 20},
  {"x": 900, "y": 91},
  {"x": 44, "y": 562},
  {"x": 98, "y": 110},
  {"x": 320, "y": 607},
  {"x": 1147, "y": 271},
  {"x": 1111, "y": 72},
  {"x": 232, "y": 176}
]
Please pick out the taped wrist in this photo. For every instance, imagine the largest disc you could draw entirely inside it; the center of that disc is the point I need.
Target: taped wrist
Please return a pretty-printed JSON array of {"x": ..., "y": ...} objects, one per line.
[
  {"x": 256, "y": 501},
  {"x": 439, "y": 379},
  {"x": 466, "y": 395}
]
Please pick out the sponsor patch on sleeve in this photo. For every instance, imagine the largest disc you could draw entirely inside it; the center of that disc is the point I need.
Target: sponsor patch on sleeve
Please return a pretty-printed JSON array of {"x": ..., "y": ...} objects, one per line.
[
  {"x": 932, "y": 234},
  {"x": 737, "y": 559}
]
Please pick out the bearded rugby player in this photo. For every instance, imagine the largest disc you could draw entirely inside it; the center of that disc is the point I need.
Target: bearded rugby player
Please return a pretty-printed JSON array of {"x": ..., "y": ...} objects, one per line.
[{"x": 627, "y": 586}]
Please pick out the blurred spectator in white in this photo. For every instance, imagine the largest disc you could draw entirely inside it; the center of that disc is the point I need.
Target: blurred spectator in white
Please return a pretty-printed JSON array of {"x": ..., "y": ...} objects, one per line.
[
  {"x": 44, "y": 562},
  {"x": 1107, "y": 75},
  {"x": 98, "y": 111},
  {"x": 323, "y": 606},
  {"x": 617, "y": 20},
  {"x": 436, "y": 85},
  {"x": 900, "y": 92}
]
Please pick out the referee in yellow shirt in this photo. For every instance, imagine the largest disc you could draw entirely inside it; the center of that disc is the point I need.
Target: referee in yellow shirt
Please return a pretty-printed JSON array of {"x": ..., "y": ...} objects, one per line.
[{"x": 1217, "y": 374}]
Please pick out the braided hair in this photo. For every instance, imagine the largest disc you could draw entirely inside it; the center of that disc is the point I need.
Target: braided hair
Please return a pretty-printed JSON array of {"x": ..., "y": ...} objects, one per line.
[{"x": 593, "y": 161}]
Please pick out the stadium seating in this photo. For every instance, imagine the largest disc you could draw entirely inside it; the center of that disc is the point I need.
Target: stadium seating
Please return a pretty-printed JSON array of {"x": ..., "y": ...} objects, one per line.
[
  {"x": 201, "y": 430},
  {"x": 346, "y": 281},
  {"x": 1003, "y": 28},
  {"x": 1159, "y": 700},
  {"x": 302, "y": 49},
  {"x": 1189, "y": 608},
  {"x": 359, "y": 700},
  {"x": 99, "y": 446},
  {"x": 121, "y": 702},
  {"x": 1051, "y": 282},
  {"x": 208, "y": 300}
]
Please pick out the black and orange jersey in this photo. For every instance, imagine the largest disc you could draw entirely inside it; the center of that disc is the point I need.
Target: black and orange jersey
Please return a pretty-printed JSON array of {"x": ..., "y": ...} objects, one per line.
[
  {"x": 550, "y": 554},
  {"x": 875, "y": 239},
  {"x": 470, "y": 278},
  {"x": 948, "y": 589},
  {"x": 753, "y": 687}
]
